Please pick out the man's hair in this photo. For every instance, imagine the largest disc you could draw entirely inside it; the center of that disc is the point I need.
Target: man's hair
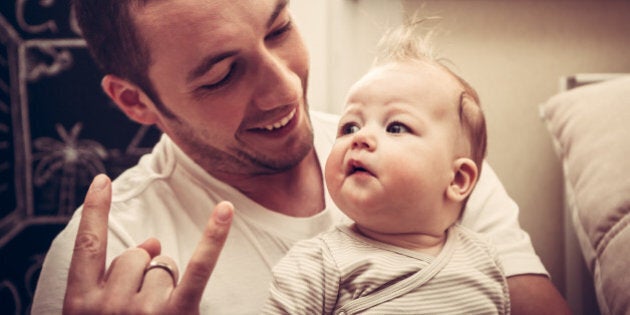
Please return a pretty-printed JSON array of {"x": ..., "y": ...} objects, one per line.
[
  {"x": 115, "y": 43},
  {"x": 409, "y": 42}
]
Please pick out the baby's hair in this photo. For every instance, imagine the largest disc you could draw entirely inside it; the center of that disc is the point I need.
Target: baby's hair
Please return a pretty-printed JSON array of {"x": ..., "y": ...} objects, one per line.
[
  {"x": 406, "y": 42},
  {"x": 412, "y": 42}
]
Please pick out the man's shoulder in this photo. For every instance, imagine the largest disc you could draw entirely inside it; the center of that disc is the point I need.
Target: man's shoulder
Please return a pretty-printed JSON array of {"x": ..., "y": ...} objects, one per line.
[{"x": 155, "y": 166}]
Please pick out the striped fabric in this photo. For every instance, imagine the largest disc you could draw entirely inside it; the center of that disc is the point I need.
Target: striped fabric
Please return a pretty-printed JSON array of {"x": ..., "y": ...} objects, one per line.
[{"x": 342, "y": 272}]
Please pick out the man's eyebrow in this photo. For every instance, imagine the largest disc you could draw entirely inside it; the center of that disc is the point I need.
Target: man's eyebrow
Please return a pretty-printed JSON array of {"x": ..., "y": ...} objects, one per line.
[
  {"x": 206, "y": 64},
  {"x": 279, "y": 7}
]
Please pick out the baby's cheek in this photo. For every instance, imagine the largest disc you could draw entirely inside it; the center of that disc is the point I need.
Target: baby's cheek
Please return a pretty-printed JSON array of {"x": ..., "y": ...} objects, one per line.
[{"x": 333, "y": 170}]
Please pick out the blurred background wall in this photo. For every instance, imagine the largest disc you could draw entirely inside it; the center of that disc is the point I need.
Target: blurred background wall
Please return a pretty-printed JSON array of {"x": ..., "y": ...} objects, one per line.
[
  {"x": 57, "y": 131},
  {"x": 513, "y": 52}
]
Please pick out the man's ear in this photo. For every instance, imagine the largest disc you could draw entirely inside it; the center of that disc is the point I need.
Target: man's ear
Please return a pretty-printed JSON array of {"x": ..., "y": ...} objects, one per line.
[
  {"x": 130, "y": 99},
  {"x": 464, "y": 179}
]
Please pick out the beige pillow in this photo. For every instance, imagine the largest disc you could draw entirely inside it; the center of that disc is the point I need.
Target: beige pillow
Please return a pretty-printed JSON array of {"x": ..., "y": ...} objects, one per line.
[{"x": 590, "y": 127}]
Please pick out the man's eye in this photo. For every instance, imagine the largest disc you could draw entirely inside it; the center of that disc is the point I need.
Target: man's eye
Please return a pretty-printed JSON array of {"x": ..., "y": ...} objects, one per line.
[
  {"x": 221, "y": 81},
  {"x": 347, "y": 129},
  {"x": 277, "y": 33},
  {"x": 397, "y": 127}
]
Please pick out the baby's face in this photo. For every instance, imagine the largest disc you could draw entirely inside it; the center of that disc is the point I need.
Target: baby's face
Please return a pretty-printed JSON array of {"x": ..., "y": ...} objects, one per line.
[{"x": 393, "y": 158}]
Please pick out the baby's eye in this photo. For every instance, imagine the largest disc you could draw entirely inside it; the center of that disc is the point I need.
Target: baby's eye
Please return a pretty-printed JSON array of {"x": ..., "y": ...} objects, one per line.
[
  {"x": 348, "y": 128},
  {"x": 397, "y": 127}
]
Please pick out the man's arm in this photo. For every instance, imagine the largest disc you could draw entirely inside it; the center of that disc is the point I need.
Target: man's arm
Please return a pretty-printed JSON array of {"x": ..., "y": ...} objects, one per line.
[
  {"x": 535, "y": 294},
  {"x": 492, "y": 212}
]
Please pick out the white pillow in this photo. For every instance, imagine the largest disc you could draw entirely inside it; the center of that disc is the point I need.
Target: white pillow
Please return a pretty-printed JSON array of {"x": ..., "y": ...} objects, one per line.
[{"x": 590, "y": 127}]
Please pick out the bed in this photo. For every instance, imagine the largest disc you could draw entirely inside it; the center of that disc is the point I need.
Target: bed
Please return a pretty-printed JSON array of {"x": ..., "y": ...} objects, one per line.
[{"x": 589, "y": 123}]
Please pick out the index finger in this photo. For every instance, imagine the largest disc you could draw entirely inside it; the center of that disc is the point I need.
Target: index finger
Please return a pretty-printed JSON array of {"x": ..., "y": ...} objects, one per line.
[
  {"x": 88, "y": 259},
  {"x": 189, "y": 291}
]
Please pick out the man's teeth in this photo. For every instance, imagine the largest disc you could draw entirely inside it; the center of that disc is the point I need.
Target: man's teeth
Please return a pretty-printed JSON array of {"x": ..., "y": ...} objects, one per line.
[{"x": 282, "y": 122}]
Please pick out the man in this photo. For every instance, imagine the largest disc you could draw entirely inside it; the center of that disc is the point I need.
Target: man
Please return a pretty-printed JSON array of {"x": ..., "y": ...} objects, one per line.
[{"x": 225, "y": 81}]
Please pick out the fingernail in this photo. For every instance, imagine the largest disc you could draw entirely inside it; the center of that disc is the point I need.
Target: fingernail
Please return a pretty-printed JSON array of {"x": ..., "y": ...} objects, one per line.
[
  {"x": 100, "y": 181},
  {"x": 224, "y": 213}
]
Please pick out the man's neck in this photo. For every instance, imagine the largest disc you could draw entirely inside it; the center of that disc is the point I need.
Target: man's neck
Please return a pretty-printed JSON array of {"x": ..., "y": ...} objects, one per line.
[{"x": 298, "y": 192}]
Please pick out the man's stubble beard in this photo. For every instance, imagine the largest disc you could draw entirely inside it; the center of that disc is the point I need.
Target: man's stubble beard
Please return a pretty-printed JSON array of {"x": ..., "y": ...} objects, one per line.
[{"x": 235, "y": 160}]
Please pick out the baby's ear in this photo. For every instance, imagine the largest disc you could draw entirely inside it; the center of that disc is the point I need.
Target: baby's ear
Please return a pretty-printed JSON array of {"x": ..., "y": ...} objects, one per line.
[
  {"x": 130, "y": 99},
  {"x": 464, "y": 179}
]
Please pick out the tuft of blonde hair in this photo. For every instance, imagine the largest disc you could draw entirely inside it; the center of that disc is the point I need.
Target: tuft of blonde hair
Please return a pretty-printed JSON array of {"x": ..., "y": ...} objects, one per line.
[{"x": 410, "y": 41}]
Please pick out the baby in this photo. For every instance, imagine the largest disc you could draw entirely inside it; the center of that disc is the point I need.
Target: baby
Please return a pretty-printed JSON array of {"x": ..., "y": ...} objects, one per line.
[{"x": 409, "y": 150}]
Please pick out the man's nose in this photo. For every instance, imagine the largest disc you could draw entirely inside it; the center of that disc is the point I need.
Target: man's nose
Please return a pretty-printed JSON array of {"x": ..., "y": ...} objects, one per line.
[{"x": 278, "y": 85}]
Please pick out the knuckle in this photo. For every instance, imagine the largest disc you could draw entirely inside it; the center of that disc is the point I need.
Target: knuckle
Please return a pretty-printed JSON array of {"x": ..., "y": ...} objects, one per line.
[
  {"x": 133, "y": 254},
  {"x": 88, "y": 243},
  {"x": 145, "y": 309},
  {"x": 129, "y": 258},
  {"x": 199, "y": 271},
  {"x": 137, "y": 253},
  {"x": 145, "y": 306},
  {"x": 216, "y": 235},
  {"x": 73, "y": 305},
  {"x": 115, "y": 306},
  {"x": 79, "y": 305}
]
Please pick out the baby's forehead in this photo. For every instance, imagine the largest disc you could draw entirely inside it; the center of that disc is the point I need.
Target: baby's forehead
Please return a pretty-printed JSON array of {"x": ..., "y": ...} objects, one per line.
[
  {"x": 420, "y": 72},
  {"x": 421, "y": 81}
]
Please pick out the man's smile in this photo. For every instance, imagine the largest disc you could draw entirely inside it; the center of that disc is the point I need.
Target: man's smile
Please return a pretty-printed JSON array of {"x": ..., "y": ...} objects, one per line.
[{"x": 282, "y": 122}]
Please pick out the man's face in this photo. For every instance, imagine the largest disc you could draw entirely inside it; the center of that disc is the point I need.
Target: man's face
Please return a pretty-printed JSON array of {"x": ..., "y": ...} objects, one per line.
[{"x": 234, "y": 74}]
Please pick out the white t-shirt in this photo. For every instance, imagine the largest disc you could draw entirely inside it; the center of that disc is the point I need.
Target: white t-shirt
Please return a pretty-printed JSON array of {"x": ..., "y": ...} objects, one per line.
[{"x": 168, "y": 196}]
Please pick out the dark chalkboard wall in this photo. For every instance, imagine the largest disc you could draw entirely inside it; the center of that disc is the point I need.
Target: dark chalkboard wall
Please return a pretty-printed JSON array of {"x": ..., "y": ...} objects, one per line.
[{"x": 57, "y": 130}]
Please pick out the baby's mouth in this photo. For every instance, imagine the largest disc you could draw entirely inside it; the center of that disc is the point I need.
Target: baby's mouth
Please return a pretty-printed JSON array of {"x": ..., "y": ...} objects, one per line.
[{"x": 356, "y": 167}]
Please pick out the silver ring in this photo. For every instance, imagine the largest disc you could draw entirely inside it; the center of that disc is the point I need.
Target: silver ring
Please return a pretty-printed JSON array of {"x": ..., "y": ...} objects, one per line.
[{"x": 161, "y": 265}]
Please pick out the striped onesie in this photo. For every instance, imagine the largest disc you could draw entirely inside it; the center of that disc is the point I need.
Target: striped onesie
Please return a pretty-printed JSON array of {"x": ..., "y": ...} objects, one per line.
[{"x": 343, "y": 272}]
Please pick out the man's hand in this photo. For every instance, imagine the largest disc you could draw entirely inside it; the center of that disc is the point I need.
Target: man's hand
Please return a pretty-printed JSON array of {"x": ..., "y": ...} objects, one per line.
[{"x": 130, "y": 285}]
